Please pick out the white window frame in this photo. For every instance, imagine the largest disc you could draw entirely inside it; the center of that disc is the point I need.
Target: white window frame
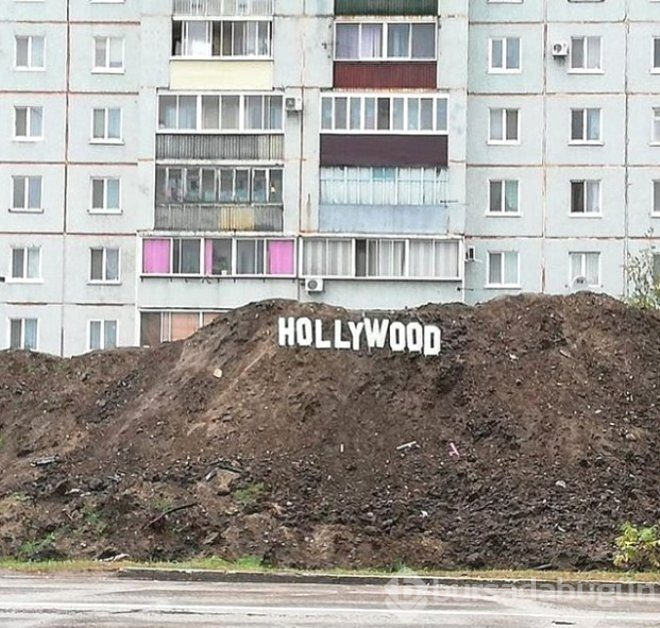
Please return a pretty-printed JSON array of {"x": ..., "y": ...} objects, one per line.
[
  {"x": 106, "y": 118},
  {"x": 655, "y": 126},
  {"x": 585, "y": 55},
  {"x": 26, "y": 194},
  {"x": 105, "y": 209},
  {"x": 104, "y": 266},
  {"x": 502, "y": 201},
  {"x": 23, "y": 320},
  {"x": 504, "y": 283},
  {"x": 505, "y": 39},
  {"x": 102, "y": 323},
  {"x": 655, "y": 191},
  {"x": 28, "y": 137},
  {"x": 585, "y": 127},
  {"x": 504, "y": 112},
  {"x": 30, "y": 67},
  {"x": 26, "y": 252},
  {"x": 585, "y": 197},
  {"x": 655, "y": 41},
  {"x": 107, "y": 69},
  {"x": 583, "y": 268}
]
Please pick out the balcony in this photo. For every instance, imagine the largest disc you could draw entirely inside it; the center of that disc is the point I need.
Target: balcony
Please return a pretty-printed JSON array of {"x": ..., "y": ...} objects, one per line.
[
  {"x": 217, "y": 8},
  {"x": 386, "y": 7},
  {"x": 220, "y": 147},
  {"x": 216, "y": 217}
]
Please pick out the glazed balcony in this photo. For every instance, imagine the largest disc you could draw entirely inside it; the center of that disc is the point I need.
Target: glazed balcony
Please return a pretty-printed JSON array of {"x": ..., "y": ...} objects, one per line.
[{"x": 219, "y": 217}]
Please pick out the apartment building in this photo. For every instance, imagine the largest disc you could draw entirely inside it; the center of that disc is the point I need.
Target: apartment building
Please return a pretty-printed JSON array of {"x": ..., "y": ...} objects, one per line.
[{"x": 166, "y": 160}]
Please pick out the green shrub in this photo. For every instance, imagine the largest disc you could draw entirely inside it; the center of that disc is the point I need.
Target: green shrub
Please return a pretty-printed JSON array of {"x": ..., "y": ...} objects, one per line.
[{"x": 638, "y": 547}]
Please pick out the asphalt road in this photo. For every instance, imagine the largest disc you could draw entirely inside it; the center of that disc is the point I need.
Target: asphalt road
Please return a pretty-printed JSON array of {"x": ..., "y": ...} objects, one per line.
[{"x": 107, "y": 601}]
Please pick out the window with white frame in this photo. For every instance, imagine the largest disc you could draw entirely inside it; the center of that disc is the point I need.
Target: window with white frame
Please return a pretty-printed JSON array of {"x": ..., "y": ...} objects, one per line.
[
  {"x": 586, "y": 54},
  {"x": 585, "y": 197},
  {"x": 504, "y": 54},
  {"x": 104, "y": 265},
  {"x": 383, "y": 186},
  {"x": 656, "y": 54},
  {"x": 503, "y": 269},
  {"x": 504, "y": 196},
  {"x": 26, "y": 193},
  {"x": 23, "y": 334},
  {"x": 585, "y": 269},
  {"x": 106, "y": 124},
  {"x": 233, "y": 185},
  {"x": 656, "y": 197},
  {"x": 344, "y": 113},
  {"x": 30, "y": 52},
  {"x": 28, "y": 123},
  {"x": 656, "y": 126},
  {"x": 391, "y": 41},
  {"x": 26, "y": 263},
  {"x": 504, "y": 126},
  {"x": 586, "y": 125},
  {"x": 108, "y": 54},
  {"x": 106, "y": 195},
  {"x": 222, "y": 38},
  {"x": 384, "y": 258},
  {"x": 242, "y": 113},
  {"x": 102, "y": 335}
]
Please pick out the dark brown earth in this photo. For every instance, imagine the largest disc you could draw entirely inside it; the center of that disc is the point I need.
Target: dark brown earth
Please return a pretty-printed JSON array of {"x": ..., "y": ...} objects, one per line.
[{"x": 291, "y": 455}]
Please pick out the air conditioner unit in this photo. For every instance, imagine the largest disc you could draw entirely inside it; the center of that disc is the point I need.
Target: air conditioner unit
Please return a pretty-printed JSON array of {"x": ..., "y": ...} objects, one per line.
[
  {"x": 313, "y": 285},
  {"x": 580, "y": 283},
  {"x": 293, "y": 104},
  {"x": 560, "y": 49},
  {"x": 470, "y": 254}
]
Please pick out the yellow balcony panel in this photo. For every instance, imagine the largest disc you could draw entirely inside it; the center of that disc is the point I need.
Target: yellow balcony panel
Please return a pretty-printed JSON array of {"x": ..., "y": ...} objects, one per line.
[{"x": 226, "y": 75}]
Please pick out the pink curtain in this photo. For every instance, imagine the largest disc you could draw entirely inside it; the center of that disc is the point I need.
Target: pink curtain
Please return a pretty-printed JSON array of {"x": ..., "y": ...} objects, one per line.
[
  {"x": 280, "y": 257},
  {"x": 208, "y": 257},
  {"x": 156, "y": 257}
]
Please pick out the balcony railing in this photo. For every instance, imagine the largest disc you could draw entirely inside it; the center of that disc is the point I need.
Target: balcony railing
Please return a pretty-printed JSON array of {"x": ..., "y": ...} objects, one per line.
[
  {"x": 226, "y": 147},
  {"x": 215, "y": 217},
  {"x": 386, "y": 7},
  {"x": 222, "y": 8}
]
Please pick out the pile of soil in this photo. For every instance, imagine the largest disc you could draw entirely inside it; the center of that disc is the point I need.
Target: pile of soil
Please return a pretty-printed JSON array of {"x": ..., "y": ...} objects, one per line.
[{"x": 527, "y": 442}]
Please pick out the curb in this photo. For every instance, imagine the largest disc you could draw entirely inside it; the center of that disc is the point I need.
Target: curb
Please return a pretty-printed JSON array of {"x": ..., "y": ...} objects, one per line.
[{"x": 205, "y": 575}]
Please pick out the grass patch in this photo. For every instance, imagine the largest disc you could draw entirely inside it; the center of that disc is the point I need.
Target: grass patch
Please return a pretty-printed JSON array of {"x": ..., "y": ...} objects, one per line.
[{"x": 250, "y": 494}]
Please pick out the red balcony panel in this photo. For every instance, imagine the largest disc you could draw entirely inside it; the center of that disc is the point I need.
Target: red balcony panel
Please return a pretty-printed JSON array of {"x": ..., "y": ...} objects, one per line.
[
  {"x": 386, "y": 74},
  {"x": 385, "y": 150}
]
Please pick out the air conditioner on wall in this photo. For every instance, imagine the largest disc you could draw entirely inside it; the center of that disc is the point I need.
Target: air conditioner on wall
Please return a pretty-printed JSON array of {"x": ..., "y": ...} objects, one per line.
[
  {"x": 560, "y": 49},
  {"x": 293, "y": 104},
  {"x": 313, "y": 285}
]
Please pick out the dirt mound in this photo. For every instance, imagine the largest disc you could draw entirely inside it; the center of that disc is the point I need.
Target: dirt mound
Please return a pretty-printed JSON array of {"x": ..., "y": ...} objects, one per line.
[{"x": 526, "y": 443}]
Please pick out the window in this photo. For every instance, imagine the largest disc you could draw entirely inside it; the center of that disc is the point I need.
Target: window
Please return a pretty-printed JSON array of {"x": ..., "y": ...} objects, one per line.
[
  {"x": 586, "y": 54},
  {"x": 186, "y": 256},
  {"x": 656, "y": 126},
  {"x": 345, "y": 113},
  {"x": 585, "y": 268},
  {"x": 105, "y": 195},
  {"x": 213, "y": 113},
  {"x": 585, "y": 126},
  {"x": 219, "y": 185},
  {"x": 102, "y": 335},
  {"x": 108, "y": 54},
  {"x": 383, "y": 258},
  {"x": 383, "y": 186},
  {"x": 26, "y": 263},
  {"x": 503, "y": 269},
  {"x": 158, "y": 327},
  {"x": 26, "y": 193},
  {"x": 385, "y": 41},
  {"x": 104, "y": 265},
  {"x": 28, "y": 123},
  {"x": 504, "y": 54},
  {"x": 23, "y": 334},
  {"x": 30, "y": 52},
  {"x": 504, "y": 126},
  {"x": 585, "y": 197},
  {"x": 106, "y": 125},
  {"x": 224, "y": 39},
  {"x": 656, "y": 54},
  {"x": 656, "y": 198},
  {"x": 504, "y": 197}
]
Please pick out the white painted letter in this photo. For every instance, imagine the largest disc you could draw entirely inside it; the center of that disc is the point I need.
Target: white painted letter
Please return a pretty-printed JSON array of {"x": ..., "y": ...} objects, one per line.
[
  {"x": 304, "y": 332},
  {"x": 356, "y": 332},
  {"x": 340, "y": 343},
  {"x": 397, "y": 337},
  {"x": 286, "y": 331},
  {"x": 320, "y": 343},
  {"x": 432, "y": 340},
  {"x": 415, "y": 337},
  {"x": 376, "y": 332}
]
